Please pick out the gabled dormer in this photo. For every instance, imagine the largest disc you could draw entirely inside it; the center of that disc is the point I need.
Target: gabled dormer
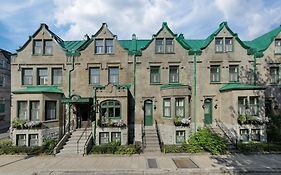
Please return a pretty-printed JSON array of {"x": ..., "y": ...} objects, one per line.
[
  {"x": 223, "y": 39},
  {"x": 104, "y": 41},
  {"x": 42, "y": 42}
]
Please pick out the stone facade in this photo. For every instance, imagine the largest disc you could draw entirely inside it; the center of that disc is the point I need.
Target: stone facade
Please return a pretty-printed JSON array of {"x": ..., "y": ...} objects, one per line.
[
  {"x": 5, "y": 89},
  {"x": 126, "y": 85}
]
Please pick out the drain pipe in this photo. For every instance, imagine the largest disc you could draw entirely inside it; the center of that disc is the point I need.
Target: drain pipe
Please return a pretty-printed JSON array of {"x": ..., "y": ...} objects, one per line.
[
  {"x": 255, "y": 69},
  {"x": 134, "y": 42},
  {"x": 69, "y": 86},
  {"x": 95, "y": 115},
  {"x": 194, "y": 89}
]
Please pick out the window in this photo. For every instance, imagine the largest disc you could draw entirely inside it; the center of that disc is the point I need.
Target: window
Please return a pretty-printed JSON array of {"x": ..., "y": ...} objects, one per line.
[
  {"x": 111, "y": 109},
  {"x": 21, "y": 139},
  {"x": 274, "y": 75},
  {"x": 244, "y": 135},
  {"x": 57, "y": 76},
  {"x": 159, "y": 45},
  {"x": 169, "y": 45},
  {"x": 113, "y": 75},
  {"x": 48, "y": 47},
  {"x": 2, "y": 105},
  {"x": 278, "y": 46},
  {"x": 219, "y": 44},
  {"x": 180, "y": 107},
  {"x": 228, "y": 45},
  {"x": 50, "y": 110},
  {"x": 180, "y": 136},
  {"x": 154, "y": 74},
  {"x": 242, "y": 105},
  {"x": 254, "y": 106},
  {"x": 27, "y": 76},
  {"x": 2, "y": 80},
  {"x": 42, "y": 78},
  {"x": 167, "y": 107},
  {"x": 34, "y": 110},
  {"x": 233, "y": 73},
  {"x": 22, "y": 110},
  {"x": 37, "y": 47},
  {"x": 255, "y": 135},
  {"x": 116, "y": 137},
  {"x": 2, "y": 63},
  {"x": 109, "y": 46},
  {"x": 33, "y": 140},
  {"x": 173, "y": 74},
  {"x": 99, "y": 46},
  {"x": 94, "y": 75},
  {"x": 104, "y": 138},
  {"x": 215, "y": 73}
]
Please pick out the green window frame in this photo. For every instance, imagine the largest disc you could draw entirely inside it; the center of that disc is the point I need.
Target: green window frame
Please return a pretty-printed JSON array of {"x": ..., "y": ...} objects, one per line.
[
  {"x": 173, "y": 74},
  {"x": 116, "y": 137},
  {"x": 233, "y": 73},
  {"x": 254, "y": 105},
  {"x": 274, "y": 75},
  {"x": 167, "y": 107},
  {"x": 103, "y": 138},
  {"x": 215, "y": 73},
  {"x": 111, "y": 109},
  {"x": 169, "y": 45},
  {"x": 56, "y": 76},
  {"x": 180, "y": 137},
  {"x": 154, "y": 74},
  {"x": 180, "y": 107},
  {"x": 94, "y": 77}
]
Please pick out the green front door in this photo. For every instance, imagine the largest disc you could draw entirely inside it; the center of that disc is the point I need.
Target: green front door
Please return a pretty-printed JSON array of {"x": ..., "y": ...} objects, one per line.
[
  {"x": 208, "y": 111},
  {"x": 148, "y": 113}
]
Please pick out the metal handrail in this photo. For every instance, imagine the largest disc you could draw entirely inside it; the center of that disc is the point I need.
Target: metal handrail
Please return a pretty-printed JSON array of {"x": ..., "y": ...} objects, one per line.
[
  {"x": 159, "y": 136},
  {"x": 88, "y": 144},
  {"x": 143, "y": 135},
  {"x": 84, "y": 131},
  {"x": 226, "y": 131}
]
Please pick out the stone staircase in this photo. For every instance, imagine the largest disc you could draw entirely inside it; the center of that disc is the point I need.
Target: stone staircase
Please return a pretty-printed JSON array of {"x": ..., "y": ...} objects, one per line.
[
  {"x": 70, "y": 146},
  {"x": 151, "y": 140}
]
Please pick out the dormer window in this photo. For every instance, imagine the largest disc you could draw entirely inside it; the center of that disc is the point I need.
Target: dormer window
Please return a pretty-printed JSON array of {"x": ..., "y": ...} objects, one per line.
[
  {"x": 224, "y": 45},
  {"x": 278, "y": 46},
  {"x": 37, "y": 48},
  {"x": 104, "y": 46},
  {"x": 48, "y": 47},
  {"x": 164, "y": 45}
]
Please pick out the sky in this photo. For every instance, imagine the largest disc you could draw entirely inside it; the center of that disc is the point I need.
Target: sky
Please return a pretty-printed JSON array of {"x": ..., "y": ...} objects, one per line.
[{"x": 196, "y": 19}]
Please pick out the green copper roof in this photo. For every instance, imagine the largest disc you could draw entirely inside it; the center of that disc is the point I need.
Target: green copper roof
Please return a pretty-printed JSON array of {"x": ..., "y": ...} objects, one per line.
[
  {"x": 195, "y": 44},
  {"x": 238, "y": 86},
  {"x": 126, "y": 86},
  {"x": 172, "y": 85},
  {"x": 128, "y": 44},
  {"x": 39, "y": 89},
  {"x": 73, "y": 45},
  {"x": 262, "y": 43}
]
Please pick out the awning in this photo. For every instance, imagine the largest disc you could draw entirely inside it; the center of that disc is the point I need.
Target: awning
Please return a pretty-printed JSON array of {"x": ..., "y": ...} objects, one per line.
[
  {"x": 38, "y": 89},
  {"x": 76, "y": 99}
]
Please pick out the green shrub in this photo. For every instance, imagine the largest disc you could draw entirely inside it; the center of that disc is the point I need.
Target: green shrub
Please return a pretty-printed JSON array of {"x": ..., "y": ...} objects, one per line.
[
  {"x": 173, "y": 149},
  {"x": 258, "y": 147},
  {"x": 204, "y": 139},
  {"x": 20, "y": 150},
  {"x": 49, "y": 145},
  {"x": 5, "y": 143},
  {"x": 18, "y": 123},
  {"x": 130, "y": 149},
  {"x": 116, "y": 148}
]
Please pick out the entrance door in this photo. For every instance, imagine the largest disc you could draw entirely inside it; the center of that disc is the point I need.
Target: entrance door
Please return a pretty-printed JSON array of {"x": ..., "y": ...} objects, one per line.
[
  {"x": 208, "y": 111},
  {"x": 83, "y": 115},
  {"x": 148, "y": 113}
]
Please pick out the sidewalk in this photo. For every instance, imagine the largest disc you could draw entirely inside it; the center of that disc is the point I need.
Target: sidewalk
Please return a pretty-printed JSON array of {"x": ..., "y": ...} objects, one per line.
[{"x": 138, "y": 164}]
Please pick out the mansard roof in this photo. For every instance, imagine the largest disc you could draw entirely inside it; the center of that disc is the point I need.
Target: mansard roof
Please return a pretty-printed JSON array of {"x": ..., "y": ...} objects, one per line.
[{"x": 6, "y": 54}]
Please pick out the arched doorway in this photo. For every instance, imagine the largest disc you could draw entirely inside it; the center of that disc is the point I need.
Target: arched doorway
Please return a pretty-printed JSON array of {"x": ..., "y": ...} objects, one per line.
[
  {"x": 208, "y": 116},
  {"x": 148, "y": 113}
]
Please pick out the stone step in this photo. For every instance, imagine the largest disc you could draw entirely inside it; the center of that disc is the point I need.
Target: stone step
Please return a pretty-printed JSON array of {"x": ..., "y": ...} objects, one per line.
[{"x": 152, "y": 150}]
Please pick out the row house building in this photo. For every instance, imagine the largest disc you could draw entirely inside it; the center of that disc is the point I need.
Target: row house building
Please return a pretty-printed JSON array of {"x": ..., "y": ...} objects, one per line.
[
  {"x": 122, "y": 89},
  {"x": 5, "y": 90}
]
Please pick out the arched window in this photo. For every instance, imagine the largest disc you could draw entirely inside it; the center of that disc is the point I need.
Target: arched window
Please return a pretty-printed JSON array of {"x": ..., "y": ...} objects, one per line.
[{"x": 111, "y": 109}]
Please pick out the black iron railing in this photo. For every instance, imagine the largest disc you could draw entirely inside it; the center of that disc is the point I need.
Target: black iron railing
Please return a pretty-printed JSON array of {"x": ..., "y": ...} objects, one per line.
[{"x": 161, "y": 143}]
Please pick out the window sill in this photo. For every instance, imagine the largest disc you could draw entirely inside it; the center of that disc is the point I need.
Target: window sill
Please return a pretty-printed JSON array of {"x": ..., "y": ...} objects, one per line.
[
  {"x": 277, "y": 53},
  {"x": 216, "y": 83},
  {"x": 156, "y": 84},
  {"x": 42, "y": 55},
  {"x": 50, "y": 121},
  {"x": 103, "y": 53},
  {"x": 165, "y": 53}
]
